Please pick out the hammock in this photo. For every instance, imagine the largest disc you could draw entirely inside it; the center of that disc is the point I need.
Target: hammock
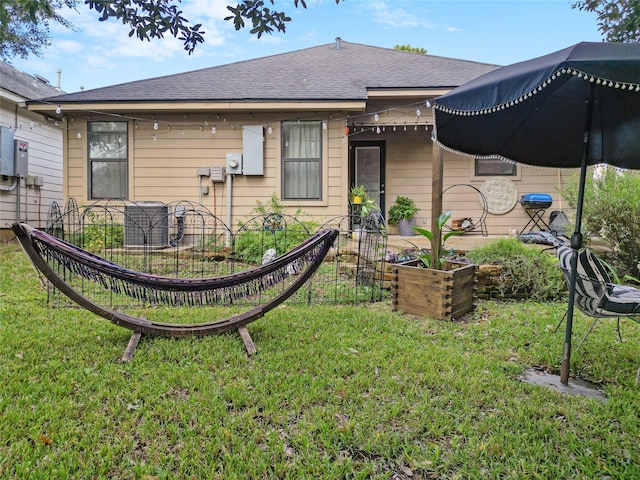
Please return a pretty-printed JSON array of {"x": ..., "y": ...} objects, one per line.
[{"x": 57, "y": 259}]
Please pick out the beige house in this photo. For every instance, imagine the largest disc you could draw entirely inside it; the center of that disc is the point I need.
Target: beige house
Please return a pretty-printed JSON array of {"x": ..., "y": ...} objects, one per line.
[
  {"x": 304, "y": 126},
  {"x": 31, "y": 151}
]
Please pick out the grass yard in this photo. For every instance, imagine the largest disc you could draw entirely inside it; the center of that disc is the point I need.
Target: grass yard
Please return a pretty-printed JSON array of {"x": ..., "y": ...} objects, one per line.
[{"x": 333, "y": 392}]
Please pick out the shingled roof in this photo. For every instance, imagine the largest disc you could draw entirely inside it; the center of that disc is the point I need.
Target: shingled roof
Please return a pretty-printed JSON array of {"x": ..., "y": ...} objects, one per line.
[
  {"x": 24, "y": 85},
  {"x": 336, "y": 71}
]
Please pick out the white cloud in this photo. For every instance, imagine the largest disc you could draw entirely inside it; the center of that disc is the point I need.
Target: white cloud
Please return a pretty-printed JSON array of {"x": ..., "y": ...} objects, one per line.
[
  {"x": 389, "y": 14},
  {"x": 68, "y": 46}
]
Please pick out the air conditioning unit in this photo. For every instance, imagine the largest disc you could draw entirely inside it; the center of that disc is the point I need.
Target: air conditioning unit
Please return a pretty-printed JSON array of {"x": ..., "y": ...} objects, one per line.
[{"x": 146, "y": 224}]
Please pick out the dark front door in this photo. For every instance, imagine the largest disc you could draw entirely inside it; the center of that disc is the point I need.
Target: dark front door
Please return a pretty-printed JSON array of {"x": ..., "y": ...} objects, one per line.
[{"x": 366, "y": 168}]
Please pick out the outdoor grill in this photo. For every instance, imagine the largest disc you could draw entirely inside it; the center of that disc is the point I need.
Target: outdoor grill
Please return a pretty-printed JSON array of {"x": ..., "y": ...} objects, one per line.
[
  {"x": 535, "y": 205},
  {"x": 536, "y": 201}
]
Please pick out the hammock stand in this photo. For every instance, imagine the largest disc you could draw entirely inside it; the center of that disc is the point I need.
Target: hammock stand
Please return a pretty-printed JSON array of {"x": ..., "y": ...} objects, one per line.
[{"x": 40, "y": 246}]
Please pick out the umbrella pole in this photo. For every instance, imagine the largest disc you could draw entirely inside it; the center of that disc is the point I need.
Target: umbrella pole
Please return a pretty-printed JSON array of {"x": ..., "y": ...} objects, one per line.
[{"x": 576, "y": 244}]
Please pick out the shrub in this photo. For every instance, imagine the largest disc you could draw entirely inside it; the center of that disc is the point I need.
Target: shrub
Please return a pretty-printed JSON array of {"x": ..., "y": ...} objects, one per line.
[
  {"x": 531, "y": 272},
  {"x": 257, "y": 236},
  {"x": 611, "y": 210},
  {"x": 100, "y": 234}
]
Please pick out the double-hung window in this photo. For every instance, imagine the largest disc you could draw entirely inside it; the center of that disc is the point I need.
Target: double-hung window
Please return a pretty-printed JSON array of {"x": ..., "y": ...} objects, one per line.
[
  {"x": 108, "y": 155},
  {"x": 301, "y": 160}
]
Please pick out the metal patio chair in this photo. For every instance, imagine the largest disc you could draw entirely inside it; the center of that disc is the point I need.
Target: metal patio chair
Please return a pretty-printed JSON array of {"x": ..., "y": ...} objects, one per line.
[{"x": 596, "y": 294}]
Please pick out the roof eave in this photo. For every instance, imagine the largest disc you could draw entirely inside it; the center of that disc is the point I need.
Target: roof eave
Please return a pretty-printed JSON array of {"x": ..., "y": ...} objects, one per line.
[
  {"x": 407, "y": 92},
  {"x": 236, "y": 106}
]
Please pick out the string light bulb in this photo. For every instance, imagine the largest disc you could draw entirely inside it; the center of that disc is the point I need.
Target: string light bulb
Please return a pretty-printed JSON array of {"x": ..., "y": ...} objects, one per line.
[
  {"x": 376, "y": 117},
  {"x": 269, "y": 129},
  {"x": 213, "y": 129},
  {"x": 58, "y": 110},
  {"x": 79, "y": 134},
  {"x": 155, "y": 124},
  {"x": 324, "y": 125},
  {"x": 418, "y": 112},
  {"x": 427, "y": 104}
]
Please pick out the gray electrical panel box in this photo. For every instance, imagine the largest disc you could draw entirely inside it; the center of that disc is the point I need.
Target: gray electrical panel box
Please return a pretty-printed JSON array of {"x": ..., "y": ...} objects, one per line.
[
  {"x": 218, "y": 174},
  {"x": 21, "y": 158},
  {"x": 253, "y": 150},
  {"x": 234, "y": 163},
  {"x": 7, "y": 163}
]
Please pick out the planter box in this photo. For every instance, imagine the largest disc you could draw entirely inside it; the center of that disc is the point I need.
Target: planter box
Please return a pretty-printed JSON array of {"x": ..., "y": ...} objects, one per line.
[{"x": 441, "y": 294}]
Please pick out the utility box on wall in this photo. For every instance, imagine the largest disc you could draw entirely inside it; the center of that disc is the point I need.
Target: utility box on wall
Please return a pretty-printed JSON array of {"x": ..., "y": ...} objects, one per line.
[
  {"x": 6, "y": 152},
  {"x": 253, "y": 150},
  {"x": 21, "y": 158},
  {"x": 234, "y": 163}
]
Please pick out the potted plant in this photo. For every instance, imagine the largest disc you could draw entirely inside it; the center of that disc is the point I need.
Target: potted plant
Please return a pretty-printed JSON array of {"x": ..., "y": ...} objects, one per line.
[
  {"x": 358, "y": 194},
  {"x": 432, "y": 285},
  {"x": 402, "y": 213},
  {"x": 367, "y": 218}
]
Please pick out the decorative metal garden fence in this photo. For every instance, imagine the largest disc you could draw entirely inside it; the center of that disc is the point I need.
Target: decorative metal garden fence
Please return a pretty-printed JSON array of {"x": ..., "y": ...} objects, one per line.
[{"x": 186, "y": 240}]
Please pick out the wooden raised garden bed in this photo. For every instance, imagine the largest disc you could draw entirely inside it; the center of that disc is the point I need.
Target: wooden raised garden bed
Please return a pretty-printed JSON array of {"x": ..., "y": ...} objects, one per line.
[{"x": 441, "y": 294}]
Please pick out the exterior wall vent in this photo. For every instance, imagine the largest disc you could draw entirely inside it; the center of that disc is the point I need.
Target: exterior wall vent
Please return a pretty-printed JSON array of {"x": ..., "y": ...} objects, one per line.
[{"x": 146, "y": 224}]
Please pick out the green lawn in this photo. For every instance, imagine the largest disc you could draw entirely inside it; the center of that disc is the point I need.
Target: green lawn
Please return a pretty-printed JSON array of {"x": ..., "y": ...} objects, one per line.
[{"x": 333, "y": 392}]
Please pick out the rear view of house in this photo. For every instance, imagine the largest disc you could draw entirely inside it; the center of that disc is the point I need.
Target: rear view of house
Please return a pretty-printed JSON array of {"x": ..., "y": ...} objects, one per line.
[{"x": 303, "y": 126}]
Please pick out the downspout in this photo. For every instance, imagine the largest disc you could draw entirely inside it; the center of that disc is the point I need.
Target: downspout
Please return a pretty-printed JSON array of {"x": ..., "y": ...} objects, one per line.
[{"x": 229, "y": 196}]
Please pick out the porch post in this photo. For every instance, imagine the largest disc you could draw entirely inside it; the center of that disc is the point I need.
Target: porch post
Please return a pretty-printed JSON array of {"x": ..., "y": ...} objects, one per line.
[{"x": 436, "y": 192}]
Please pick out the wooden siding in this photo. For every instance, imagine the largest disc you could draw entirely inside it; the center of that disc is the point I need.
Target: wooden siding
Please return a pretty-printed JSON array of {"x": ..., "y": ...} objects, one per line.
[
  {"x": 165, "y": 169},
  {"x": 45, "y": 159}
]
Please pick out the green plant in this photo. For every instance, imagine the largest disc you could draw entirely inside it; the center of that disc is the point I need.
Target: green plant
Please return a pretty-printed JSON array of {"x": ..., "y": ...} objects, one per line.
[
  {"x": 101, "y": 233},
  {"x": 529, "y": 272},
  {"x": 434, "y": 258},
  {"x": 358, "y": 191},
  {"x": 611, "y": 210},
  {"x": 369, "y": 206},
  {"x": 270, "y": 228},
  {"x": 404, "y": 208}
]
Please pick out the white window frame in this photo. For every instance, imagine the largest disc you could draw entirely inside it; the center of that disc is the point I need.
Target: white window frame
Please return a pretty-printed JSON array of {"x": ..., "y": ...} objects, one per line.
[
  {"x": 117, "y": 154},
  {"x": 311, "y": 158}
]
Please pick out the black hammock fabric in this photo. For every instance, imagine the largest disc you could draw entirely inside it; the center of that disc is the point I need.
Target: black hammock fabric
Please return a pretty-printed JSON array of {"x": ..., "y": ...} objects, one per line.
[{"x": 163, "y": 290}]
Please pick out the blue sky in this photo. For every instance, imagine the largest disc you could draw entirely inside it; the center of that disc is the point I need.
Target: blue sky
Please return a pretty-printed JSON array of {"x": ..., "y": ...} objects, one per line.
[{"x": 492, "y": 31}]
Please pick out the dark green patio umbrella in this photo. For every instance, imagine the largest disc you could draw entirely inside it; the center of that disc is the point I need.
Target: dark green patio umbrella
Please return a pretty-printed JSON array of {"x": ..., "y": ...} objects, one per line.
[{"x": 573, "y": 108}]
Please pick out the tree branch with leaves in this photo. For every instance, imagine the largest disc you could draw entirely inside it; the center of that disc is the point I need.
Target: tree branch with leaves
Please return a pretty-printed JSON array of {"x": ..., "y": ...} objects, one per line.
[
  {"x": 619, "y": 21},
  {"x": 25, "y": 24}
]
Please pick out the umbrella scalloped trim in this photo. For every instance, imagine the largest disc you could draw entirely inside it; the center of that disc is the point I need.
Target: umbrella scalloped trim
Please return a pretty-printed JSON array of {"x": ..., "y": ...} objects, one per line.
[
  {"x": 563, "y": 71},
  {"x": 495, "y": 156}
]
